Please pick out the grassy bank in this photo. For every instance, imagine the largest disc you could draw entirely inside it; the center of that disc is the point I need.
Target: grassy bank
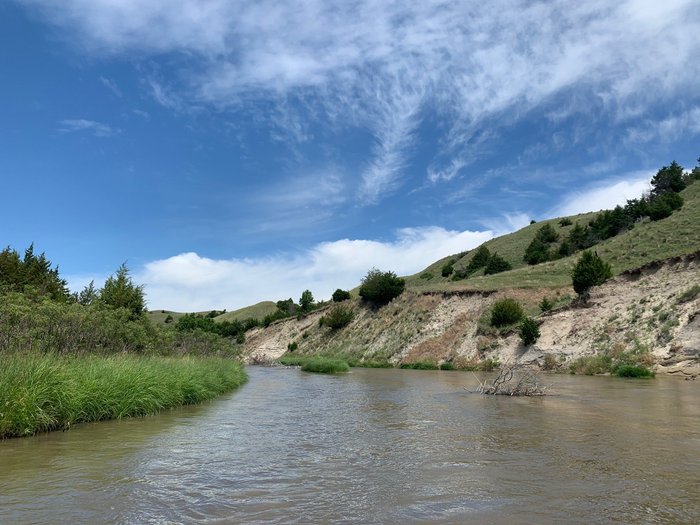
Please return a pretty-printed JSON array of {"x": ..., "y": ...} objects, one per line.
[{"x": 39, "y": 393}]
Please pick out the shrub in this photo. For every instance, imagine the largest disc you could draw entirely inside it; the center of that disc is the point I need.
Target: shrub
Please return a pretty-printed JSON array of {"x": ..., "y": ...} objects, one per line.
[
  {"x": 379, "y": 288},
  {"x": 626, "y": 370},
  {"x": 547, "y": 234},
  {"x": 338, "y": 317},
  {"x": 537, "y": 252},
  {"x": 591, "y": 365},
  {"x": 565, "y": 249},
  {"x": 529, "y": 331},
  {"x": 580, "y": 237},
  {"x": 590, "y": 270},
  {"x": 546, "y": 304},
  {"x": 550, "y": 362},
  {"x": 292, "y": 346},
  {"x": 505, "y": 312},
  {"x": 497, "y": 264},
  {"x": 690, "y": 294},
  {"x": 426, "y": 275},
  {"x": 447, "y": 365},
  {"x": 479, "y": 260},
  {"x": 565, "y": 222},
  {"x": 340, "y": 295},
  {"x": 447, "y": 269}
]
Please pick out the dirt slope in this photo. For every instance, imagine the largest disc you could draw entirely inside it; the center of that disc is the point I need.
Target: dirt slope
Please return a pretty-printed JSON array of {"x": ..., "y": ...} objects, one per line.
[{"x": 639, "y": 311}]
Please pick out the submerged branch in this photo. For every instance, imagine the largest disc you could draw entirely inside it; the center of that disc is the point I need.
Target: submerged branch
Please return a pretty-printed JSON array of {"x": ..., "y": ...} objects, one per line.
[{"x": 508, "y": 383}]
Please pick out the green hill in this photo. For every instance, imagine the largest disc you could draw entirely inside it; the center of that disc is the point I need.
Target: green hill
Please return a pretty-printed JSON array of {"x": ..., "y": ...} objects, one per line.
[
  {"x": 648, "y": 241},
  {"x": 256, "y": 311}
]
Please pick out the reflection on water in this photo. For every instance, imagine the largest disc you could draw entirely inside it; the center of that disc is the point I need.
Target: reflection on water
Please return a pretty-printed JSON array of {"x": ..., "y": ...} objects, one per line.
[{"x": 374, "y": 446}]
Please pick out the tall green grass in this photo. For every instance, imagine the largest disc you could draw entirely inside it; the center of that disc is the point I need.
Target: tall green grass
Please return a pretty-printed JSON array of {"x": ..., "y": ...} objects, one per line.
[
  {"x": 39, "y": 393},
  {"x": 324, "y": 365}
]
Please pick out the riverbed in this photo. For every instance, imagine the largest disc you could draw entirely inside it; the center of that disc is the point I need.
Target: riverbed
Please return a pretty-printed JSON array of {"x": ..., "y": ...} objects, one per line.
[{"x": 375, "y": 446}]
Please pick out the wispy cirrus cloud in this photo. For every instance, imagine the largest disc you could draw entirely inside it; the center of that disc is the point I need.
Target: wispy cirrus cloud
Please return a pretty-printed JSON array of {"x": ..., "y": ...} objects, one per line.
[
  {"x": 98, "y": 129},
  {"x": 112, "y": 86},
  {"x": 477, "y": 67}
]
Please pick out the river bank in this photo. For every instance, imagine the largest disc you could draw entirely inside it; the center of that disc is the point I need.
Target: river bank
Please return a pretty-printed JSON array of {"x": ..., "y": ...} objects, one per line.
[
  {"x": 40, "y": 393},
  {"x": 649, "y": 313}
]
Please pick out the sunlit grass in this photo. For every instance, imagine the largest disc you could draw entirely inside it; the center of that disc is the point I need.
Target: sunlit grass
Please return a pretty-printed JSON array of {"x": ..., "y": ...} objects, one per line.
[{"x": 39, "y": 393}]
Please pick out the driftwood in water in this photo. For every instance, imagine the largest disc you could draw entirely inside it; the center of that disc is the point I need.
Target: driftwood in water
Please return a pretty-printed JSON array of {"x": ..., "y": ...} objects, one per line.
[{"x": 508, "y": 382}]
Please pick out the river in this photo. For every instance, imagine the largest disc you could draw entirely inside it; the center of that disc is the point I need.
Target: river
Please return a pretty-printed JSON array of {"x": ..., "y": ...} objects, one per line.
[{"x": 375, "y": 446}]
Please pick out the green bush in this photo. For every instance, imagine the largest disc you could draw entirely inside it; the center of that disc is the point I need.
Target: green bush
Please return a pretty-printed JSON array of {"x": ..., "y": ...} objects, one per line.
[
  {"x": 324, "y": 365},
  {"x": 626, "y": 370},
  {"x": 529, "y": 331},
  {"x": 565, "y": 222},
  {"x": 479, "y": 260},
  {"x": 537, "y": 252},
  {"x": 447, "y": 269},
  {"x": 447, "y": 365},
  {"x": 379, "y": 288},
  {"x": 546, "y": 304},
  {"x": 340, "y": 295},
  {"x": 426, "y": 275},
  {"x": 506, "y": 311},
  {"x": 497, "y": 264},
  {"x": 292, "y": 346},
  {"x": 547, "y": 234},
  {"x": 338, "y": 317},
  {"x": 590, "y": 270}
]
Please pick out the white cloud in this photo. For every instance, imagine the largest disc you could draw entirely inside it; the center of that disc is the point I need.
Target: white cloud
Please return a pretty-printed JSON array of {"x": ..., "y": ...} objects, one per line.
[
  {"x": 381, "y": 65},
  {"x": 96, "y": 128},
  {"x": 190, "y": 282},
  {"x": 112, "y": 86},
  {"x": 666, "y": 130},
  {"x": 605, "y": 195}
]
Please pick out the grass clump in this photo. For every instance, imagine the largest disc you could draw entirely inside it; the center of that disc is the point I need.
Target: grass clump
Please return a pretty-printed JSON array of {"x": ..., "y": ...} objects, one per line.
[
  {"x": 420, "y": 365},
  {"x": 339, "y": 317},
  {"x": 689, "y": 294},
  {"x": 292, "y": 360},
  {"x": 591, "y": 365},
  {"x": 626, "y": 370},
  {"x": 40, "y": 393},
  {"x": 324, "y": 365}
]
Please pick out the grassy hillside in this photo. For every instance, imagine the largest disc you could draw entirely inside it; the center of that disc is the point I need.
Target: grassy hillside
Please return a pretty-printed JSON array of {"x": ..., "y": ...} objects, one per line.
[
  {"x": 159, "y": 316},
  {"x": 676, "y": 235},
  {"x": 256, "y": 311}
]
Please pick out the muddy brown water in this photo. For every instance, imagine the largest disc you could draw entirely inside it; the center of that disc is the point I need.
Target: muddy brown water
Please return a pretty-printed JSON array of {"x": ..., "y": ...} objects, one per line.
[{"x": 375, "y": 446}]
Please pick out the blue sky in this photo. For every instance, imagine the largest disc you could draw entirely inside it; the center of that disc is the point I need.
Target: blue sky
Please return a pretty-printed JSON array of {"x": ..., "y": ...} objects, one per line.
[{"x": 232, "y": 152}]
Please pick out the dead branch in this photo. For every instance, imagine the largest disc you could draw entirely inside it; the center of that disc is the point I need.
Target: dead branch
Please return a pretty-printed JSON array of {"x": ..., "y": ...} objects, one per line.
[{"x": 508, "y": 382}]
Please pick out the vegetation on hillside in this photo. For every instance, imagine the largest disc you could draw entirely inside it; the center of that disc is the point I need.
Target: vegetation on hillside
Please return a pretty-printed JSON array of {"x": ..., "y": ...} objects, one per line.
[
  {"x": 626, "y": 237},
  {"x": 379, "y": 288}
]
